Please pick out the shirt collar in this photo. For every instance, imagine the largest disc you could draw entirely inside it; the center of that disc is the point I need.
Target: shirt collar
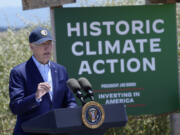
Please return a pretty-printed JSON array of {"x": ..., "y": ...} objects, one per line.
[{"x": 38, "y": 64}]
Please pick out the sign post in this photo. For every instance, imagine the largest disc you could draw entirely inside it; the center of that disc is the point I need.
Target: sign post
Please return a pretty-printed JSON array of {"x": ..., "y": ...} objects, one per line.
[{"x": 32, "y": 4}]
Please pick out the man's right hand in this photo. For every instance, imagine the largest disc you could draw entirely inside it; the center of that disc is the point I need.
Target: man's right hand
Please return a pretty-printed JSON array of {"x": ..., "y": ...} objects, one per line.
[{"x": 42, "y": 89}]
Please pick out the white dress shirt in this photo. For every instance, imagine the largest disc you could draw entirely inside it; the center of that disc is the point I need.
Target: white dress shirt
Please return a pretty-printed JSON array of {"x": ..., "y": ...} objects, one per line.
[{"x": 45, "y": 71}]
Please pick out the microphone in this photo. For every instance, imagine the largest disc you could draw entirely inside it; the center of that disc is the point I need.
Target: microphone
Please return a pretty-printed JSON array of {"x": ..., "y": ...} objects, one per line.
[
  {"x": 73, "y": 84},
  {"x": 87, "y": 87}
]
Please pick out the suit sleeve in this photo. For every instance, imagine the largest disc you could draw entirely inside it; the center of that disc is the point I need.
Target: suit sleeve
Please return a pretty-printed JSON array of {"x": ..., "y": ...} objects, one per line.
[
  {"x": 69, "y": 99},
  {"x": 20, "y": 104}
]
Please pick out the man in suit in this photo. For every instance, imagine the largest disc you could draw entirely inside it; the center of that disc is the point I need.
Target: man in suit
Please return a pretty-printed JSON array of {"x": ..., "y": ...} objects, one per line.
[{"x": 38, "y": 85}]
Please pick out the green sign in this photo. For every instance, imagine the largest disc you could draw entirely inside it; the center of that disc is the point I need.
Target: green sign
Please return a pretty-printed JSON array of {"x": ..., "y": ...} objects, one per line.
[{"x": 129, "y": 54}]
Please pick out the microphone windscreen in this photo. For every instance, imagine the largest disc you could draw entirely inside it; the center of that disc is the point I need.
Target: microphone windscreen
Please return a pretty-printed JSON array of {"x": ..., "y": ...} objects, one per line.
[
  {"x": 73, "y": 84},
  {"x": 85, "y": 84}
]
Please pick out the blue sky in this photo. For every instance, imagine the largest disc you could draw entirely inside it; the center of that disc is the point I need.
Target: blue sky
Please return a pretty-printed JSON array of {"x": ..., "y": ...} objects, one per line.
[
  {"x": 12, "y": 15},
  {"x": 10, "y": 3}
]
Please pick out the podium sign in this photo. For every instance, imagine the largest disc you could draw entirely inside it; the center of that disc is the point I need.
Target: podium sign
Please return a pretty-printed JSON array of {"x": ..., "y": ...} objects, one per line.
[{"x": 128, "y": 53}]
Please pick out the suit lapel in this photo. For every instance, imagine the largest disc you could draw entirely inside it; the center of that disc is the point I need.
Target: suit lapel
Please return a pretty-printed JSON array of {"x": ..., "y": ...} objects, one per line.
[
  {"x": 33, "y": 71},
  {"x": 35, "y": 76}
]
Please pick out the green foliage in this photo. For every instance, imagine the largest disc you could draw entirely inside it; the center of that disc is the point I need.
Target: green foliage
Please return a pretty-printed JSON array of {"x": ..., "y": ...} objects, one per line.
[
  {"x": 88, "y": 3},
  {"x": 144, "y": 125},
  {"x": 14, "y": 49}
]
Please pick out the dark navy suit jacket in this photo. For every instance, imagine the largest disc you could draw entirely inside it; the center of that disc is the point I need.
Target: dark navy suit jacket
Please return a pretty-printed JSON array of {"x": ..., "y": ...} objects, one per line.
[{"x": 23, "y": 83}]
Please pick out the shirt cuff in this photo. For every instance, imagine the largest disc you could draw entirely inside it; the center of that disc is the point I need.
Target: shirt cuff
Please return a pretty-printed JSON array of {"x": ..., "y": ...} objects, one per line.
[{"x": 38, "y": 100}]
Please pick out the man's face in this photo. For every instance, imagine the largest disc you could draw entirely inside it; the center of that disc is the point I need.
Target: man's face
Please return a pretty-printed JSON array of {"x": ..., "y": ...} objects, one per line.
[{"x": 42, "y": 52}]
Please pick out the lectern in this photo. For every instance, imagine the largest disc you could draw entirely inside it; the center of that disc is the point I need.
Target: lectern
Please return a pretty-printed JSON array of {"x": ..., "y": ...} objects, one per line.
[{"x": 67, "y": 121}]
